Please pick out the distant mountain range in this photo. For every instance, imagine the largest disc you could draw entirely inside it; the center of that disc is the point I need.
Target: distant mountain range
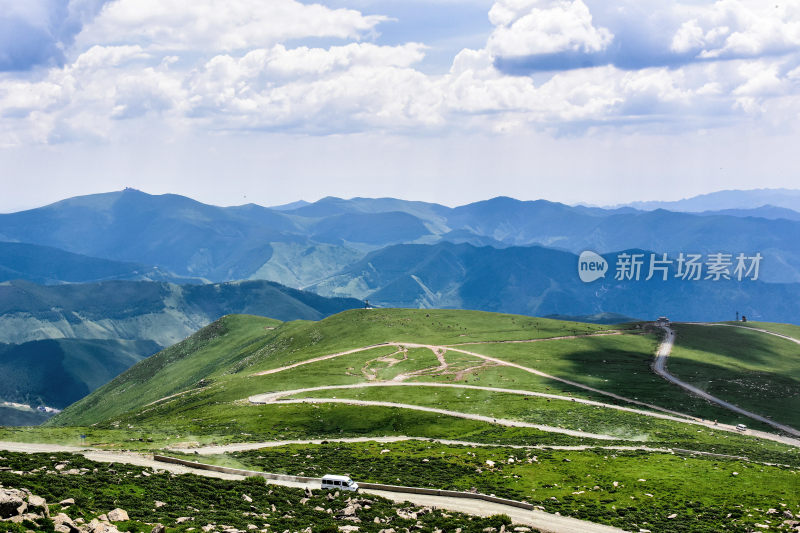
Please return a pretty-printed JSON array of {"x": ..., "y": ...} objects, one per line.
[
  {"x": 305, "y": 245},
  {"x": 164, "y": 313},
  {"x": 539, "y": 281},
  {"x": 729, "y": 200},
  {"x": 48, "y": 266}
]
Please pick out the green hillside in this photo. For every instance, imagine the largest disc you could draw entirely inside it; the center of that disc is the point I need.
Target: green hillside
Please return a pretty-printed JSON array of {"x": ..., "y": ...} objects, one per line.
[
  {"x": 190, "y": 363},
  {"x": 489, "y": 365},
  {"x": 790, "y": 330},
  {"x": 753, "y": 370},
  {"x": 236, "y": 346}
]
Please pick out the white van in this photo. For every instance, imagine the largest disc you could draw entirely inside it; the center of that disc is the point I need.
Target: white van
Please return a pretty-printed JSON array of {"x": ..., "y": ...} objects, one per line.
[
  {"x": 331, "y": 482},
  {"x": 741, "y": 427}
]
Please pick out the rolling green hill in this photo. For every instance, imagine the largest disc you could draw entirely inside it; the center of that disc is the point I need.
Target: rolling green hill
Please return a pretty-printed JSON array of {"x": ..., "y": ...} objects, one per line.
[
  {"x": 523, "y": 404},
  {"x": 487, "y": 362},
  {"x": 752, "y": 370}
]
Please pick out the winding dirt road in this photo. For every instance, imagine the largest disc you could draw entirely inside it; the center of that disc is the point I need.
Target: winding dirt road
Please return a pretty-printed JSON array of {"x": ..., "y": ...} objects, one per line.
[
  {"x": 774, "y": 334},
  {"x": 270, "y": 399},
  {"x": 660, "y": 368},
  {"x": 439, "y": 350}
]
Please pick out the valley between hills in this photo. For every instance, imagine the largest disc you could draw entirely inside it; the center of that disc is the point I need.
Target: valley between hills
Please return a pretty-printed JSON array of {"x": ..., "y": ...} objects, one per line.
[{"x": 567, "y": 417}]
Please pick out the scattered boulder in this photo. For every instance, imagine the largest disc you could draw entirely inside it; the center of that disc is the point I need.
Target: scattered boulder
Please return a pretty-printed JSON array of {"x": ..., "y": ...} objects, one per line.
[
  {"x": 118, "y": 515},
  {"x": 97, "y": 526},
  {"x": 64, "y": 524},
  {"x": 247, "y": 498},
  {"x": 348, "y": 529},
  {"x": 158, "y": 504},
  {"x": 12, "y": 503},
  {"x": 67, "y": 502},
  {"x": 158, "y": 528}
]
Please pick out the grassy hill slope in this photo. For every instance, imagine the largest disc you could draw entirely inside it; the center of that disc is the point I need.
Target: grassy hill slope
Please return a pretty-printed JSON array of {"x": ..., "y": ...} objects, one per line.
[
  {"x": 190, "y": 363},
  {"x": 753, "y": 370},
  {"x": 204, "y": 381}
]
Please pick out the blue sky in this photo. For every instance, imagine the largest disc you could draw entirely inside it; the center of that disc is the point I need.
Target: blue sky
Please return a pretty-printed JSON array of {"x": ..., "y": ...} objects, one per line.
[{"x": 441, "y": 100}]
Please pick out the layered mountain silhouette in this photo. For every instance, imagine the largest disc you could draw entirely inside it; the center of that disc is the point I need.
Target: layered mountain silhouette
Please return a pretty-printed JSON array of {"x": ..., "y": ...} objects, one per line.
[{"x": 304, "y": 245}]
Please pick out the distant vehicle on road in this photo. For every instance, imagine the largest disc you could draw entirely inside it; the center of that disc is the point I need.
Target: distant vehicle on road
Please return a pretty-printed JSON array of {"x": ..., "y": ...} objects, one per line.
[
  {"x": 741, "y": 427},
  {"x": 331, "y": 482}
]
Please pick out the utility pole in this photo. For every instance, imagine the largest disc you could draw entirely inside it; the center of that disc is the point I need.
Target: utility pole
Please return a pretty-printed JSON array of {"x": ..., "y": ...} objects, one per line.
[{"x": 737, "y": 316}]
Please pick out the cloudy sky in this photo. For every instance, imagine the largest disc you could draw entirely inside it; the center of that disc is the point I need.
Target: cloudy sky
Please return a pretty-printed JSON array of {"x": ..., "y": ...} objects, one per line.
[{"x": 270, "y": 101}]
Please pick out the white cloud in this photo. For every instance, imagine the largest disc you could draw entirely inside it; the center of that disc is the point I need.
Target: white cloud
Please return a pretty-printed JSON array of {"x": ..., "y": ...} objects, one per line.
[
  {"x": 739, "y": 28},
  {"x": 188, "y": 73},
  {"x": 315, "y": 90},
  {"x": 530, "y": 27},
  {"x": 221, "y": 24}
]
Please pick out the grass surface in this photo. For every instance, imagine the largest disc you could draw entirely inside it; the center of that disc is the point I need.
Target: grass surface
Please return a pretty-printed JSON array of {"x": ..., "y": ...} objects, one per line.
[
  {"x": 704, "y": 494},
  {"x": 245, "y": 344},
  {"x": 619, "y": 364},
  {"x": 790, "y": 330},
  {"x": 753, "y": 370}
]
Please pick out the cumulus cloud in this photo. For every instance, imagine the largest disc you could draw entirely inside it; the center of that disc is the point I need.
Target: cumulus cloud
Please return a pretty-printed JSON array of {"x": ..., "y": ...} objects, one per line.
[
  {"x": 221, "y": 24},
  {"x": 534, "y": 27},
  {"x": 212, "y": 69},
  {"x": 634, "y": 34},
  {"x": 739, "y": 28}
]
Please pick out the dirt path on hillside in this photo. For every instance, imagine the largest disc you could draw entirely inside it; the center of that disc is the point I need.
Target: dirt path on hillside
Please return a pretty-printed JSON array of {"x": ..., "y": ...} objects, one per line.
[
  {"x": 249, "y": 446},
  {"x": 273, "y": 396},
  {"x": 774, "y": 334},
  {"x": 545, "y": 522},
  {"x": 527, "y": 341},
  {"x": 434, "y": 348},
  {"x": 441, "y": 349},
  {"x": 270, "y": 399},
  {"x": 277, "y": 398},
  {"x": 660, "y": 368}
]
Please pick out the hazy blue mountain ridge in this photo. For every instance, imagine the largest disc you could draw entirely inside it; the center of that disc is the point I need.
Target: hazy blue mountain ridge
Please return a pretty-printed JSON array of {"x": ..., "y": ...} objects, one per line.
[
  {"x": 305, "y": 245},
  {"x": 540, "y": 281}
]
